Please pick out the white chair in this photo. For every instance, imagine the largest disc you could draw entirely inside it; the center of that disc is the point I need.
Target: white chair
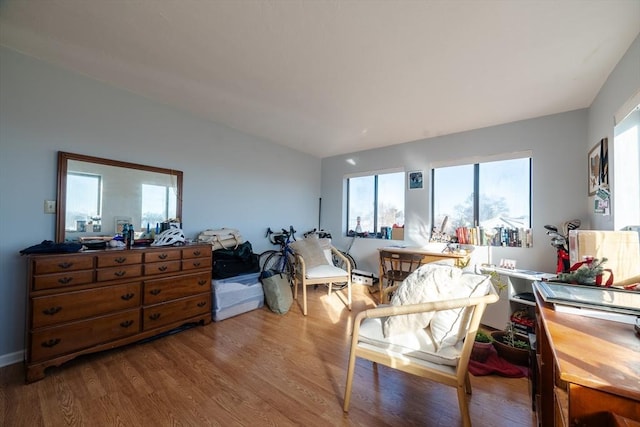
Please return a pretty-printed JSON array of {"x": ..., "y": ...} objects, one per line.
[
  {"x": 314, "y": 266},
  {"x": 439, "y": 351}
]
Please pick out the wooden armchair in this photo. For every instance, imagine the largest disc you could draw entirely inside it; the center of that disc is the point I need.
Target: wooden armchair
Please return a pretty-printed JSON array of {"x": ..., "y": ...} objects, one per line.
[
  {"x": 414, "y": 352},
  {"x": 318, "y": 272}
]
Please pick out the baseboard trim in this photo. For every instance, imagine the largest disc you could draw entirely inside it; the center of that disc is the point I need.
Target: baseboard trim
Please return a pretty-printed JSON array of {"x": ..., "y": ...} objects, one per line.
[{"x": 11, "y": 358}]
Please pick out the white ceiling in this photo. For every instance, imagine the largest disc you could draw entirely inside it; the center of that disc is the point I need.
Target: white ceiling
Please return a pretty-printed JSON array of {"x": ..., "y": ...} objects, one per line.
[{"x": 333, "y": 77}]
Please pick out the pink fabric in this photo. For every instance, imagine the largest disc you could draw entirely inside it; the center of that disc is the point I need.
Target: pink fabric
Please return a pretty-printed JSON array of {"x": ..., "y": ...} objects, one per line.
[{"x": 497, "y": 365}]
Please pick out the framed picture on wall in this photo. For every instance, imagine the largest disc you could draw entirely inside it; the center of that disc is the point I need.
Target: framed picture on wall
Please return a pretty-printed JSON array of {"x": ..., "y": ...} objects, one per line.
[
  {"x": 414, "y": 180},
  {"x": 594, "y": 169},
  {"x": 604, "y": 162},
  {"x": 120, "y": 221}
]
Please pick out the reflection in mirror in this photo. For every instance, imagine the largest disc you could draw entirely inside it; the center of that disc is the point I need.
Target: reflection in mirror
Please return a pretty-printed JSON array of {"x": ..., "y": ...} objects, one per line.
[{"x": 96, "y": 197}]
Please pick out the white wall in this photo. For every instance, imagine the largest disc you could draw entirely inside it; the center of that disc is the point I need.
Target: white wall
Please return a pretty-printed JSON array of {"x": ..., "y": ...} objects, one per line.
[
  {"x": 558, "y": 181},
  {"x": 230, "y": 179},
  {"x": 623, "y": 82}
]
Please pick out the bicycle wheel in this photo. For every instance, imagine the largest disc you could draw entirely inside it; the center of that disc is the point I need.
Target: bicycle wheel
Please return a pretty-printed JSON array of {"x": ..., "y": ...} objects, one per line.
[
  {"x": 339, "y": 262},
  {"x": 277, "y": 262},
  {"x": 262, "y": 260}
]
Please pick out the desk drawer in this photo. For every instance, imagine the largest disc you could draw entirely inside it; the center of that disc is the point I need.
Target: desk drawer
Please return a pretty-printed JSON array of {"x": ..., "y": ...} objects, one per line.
[
  {"x": 51, "y": 342},
  {"x": 61, "y": 264},
  {"x": 119, "y": 273},
  {"x": 119, "y": 258},
  {"x": 195, "y": 263},
  {"x": 61, "y": 280},
  {"x": 164, "y": 314},
  {"x": 56, "y": 309},
  {"x": 161, "y": 290},
  {"x": 161, "y": 267}
]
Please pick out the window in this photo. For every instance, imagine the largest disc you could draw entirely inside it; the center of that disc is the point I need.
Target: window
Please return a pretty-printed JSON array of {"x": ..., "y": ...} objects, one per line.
[
  {"x": 84, "y": 203},
  {"x": 491, "y": 199},
  {"x": 157, "y": 206},
  {"x": 626, "y": 169},
  {"x": 377, "y": 200}
]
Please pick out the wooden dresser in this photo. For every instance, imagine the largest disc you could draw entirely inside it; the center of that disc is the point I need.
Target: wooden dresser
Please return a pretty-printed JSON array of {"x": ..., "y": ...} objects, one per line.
[
  {"x": 95, "y": 300},
  {"x": 588, "y": 370}
]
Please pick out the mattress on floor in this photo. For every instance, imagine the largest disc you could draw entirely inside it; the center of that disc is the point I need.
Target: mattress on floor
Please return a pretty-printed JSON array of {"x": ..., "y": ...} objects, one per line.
[{"x": 236, "y": 295}]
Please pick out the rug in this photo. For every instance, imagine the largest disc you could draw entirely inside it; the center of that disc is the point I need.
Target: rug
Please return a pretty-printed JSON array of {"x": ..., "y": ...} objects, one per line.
[{"x": 498, "y": 366}]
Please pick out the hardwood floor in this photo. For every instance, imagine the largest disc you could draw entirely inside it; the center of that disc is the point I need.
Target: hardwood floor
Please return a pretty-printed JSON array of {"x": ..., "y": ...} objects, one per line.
[{"x": 255, "y": 369}]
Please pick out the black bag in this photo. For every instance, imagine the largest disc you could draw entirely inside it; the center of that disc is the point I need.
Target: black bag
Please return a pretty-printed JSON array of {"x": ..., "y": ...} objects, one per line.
[
  {"x": 49, "y": 247},
  {"x": 233, "y": 262}
]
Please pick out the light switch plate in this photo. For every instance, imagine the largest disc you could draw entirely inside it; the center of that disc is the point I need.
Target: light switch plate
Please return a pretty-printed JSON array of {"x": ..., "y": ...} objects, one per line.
[{"x": 49, "y": 206}]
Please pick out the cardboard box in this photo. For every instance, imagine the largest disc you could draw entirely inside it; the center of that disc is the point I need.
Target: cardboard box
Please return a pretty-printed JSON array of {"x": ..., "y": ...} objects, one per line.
[{"x": 397, "y": 234}]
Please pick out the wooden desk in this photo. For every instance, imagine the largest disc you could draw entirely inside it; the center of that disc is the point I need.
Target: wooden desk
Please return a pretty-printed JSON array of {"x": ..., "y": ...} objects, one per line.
[
  {"x": 428, "y": 256},
  {"x": 588, "y": 369}
]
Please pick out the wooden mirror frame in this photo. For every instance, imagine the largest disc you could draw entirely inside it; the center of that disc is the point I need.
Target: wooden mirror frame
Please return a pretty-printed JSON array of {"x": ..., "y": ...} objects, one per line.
[{"x": 63, "y": 161}]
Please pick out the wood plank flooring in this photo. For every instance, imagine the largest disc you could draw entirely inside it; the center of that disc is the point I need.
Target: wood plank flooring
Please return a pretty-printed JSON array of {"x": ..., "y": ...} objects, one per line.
[{"x": 256, "y": 369}]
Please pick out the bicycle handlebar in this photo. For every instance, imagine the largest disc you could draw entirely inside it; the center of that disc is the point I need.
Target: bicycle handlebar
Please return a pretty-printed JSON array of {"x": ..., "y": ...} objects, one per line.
[{"x": 280, "y": 238}]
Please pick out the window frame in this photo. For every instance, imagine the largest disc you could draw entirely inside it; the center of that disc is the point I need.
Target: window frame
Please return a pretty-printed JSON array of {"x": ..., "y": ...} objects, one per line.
[
  {"x": 375, "y": 232},
  {"x": 476, "y": 162}
]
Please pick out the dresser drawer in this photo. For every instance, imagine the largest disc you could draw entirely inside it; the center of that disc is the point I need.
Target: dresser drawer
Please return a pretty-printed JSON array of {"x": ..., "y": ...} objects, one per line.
[
  {"x": 153, "y": 268},
  {"x": 119, "y": 273},
  {"x": 160, "y": 290},
  {"x": 61, "y": 264},
  {"x": 119, "y": 258},
  {"x": 194, "y": 263},
  {"x": 55, "y": 309},
  {"x": 175, "y": 311},
  {"x": 71, "y": 278},
  {"x": 197, "y": 252},
  {"x": 56, "y": 341},
  {"x": 162, "y": 255}
]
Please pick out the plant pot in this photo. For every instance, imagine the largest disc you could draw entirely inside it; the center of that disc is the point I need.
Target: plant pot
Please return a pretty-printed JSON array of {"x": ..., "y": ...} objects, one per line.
[
  {"x": 481, "y": 351},
  {"x": 517, "y": 356}
]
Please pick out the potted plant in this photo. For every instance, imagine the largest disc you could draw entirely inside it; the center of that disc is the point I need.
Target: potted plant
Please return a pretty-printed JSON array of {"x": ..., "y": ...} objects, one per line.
[
  {"x": 481, "y": 346},
  {"x": 510, "y": 346}
]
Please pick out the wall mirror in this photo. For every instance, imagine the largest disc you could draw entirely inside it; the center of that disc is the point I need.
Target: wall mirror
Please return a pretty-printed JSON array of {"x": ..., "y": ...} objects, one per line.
[{"x": 97, "y": 196}]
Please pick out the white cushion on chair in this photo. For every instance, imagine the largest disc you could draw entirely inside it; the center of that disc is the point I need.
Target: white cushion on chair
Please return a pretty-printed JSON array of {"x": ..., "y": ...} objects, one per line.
[
  {"x": 321, "y": 271},
  {"x": 423, "y": 285},
  {"x": 446, "y": 325},
  {"x": 418, "y": 344},
  {"x": 311, "y": 250}
]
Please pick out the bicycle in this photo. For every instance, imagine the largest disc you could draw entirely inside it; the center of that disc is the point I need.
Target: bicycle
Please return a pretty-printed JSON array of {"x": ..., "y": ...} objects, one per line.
[{"x": 281, "y": 260}]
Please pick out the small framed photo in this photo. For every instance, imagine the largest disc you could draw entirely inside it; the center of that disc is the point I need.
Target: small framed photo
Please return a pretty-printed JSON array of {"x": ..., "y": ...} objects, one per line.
[
  {"x": 594, "y": 169},
  {"x": 120, "y": 221},
  {"x": 414, "y": 179}
]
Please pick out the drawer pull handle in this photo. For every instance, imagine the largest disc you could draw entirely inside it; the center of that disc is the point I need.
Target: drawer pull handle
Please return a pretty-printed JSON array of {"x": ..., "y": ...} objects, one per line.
[
  {"x": 120, "y": 273},
  {"x": 120, "y": 260},
  {"x": 196, "y": 264},
  {"x": 202, "y": 282},
  {"x": 197, "y": 253},
  {"x": 65, "y": 264},
  {"x": 162, "y": 268},
  {"x": 163, "y": 256},
  {"x": 51, "y": 311},
  {"x": 65, "y": 280},
  {"x": 154, "y": 291},
  {"x": 127, "y": 297},
  {"x": 202, "y": 304},
  {"x": 154, "y": 316},
  {"x": 51, "y": 342},
  {"x": 126, "y": 323}
]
